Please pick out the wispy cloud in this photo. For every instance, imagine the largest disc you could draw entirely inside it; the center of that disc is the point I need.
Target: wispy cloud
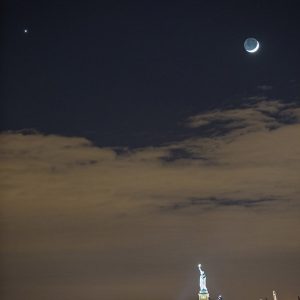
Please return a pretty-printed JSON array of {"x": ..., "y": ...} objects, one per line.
[
  {"x": 213, "y": 203},
  {"x": 265, "y": 87}
]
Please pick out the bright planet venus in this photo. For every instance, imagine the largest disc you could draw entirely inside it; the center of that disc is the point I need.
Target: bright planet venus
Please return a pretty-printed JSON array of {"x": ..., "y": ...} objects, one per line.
[{"x": 251, "y": 45}]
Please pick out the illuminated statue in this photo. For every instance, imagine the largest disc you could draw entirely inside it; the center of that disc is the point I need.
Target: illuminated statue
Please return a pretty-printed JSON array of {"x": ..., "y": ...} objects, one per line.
[{"x": 203, "y": 289}]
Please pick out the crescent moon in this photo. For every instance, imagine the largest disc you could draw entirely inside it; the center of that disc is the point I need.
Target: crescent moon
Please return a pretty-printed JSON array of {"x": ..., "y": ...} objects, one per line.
[{"x": 255, "y": 49}]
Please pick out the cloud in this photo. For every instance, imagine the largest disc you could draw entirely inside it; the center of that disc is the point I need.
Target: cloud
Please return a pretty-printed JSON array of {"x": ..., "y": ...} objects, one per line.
[
  {"x": 212, "y": 203},
  {"x": 265, "y": 87},
  {"x": 250, "y": 117},
  {"x": 76, "y": 216}
]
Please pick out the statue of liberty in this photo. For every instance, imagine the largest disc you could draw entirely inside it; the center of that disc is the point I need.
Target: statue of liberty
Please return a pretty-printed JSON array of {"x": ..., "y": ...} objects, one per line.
[{"x": 203, "y": 289}]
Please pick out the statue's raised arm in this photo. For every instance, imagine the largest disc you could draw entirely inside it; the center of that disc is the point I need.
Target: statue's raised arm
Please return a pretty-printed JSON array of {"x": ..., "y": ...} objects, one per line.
[{"x": 201, "y": 271}]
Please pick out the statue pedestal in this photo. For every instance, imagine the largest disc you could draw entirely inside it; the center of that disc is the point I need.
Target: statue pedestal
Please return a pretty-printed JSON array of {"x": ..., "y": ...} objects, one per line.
[{"x": 203, "y": 296}]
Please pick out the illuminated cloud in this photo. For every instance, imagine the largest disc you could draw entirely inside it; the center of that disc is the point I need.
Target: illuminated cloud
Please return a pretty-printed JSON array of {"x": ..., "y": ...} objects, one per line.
[{"x": 84, "y": 220}]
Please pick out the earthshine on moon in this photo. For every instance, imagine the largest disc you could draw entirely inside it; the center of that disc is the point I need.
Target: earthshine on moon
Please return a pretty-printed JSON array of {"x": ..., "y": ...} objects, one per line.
[{"x": 251, "y": 45}]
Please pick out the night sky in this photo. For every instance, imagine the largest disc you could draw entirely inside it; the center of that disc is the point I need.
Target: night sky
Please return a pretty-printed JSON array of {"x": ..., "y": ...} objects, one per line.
[{"x": 138, "y": 139}]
